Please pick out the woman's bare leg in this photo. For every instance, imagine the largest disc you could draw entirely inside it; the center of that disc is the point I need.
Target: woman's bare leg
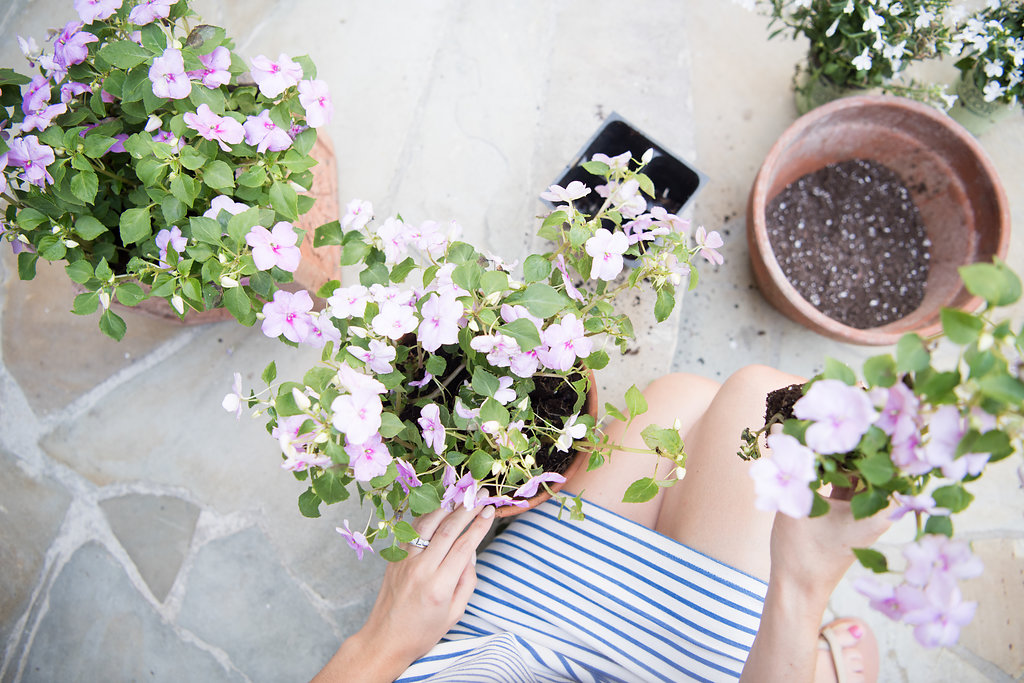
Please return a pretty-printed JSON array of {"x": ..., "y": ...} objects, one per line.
[
  {"x": 676, "y": 396},
  {"x": 712, "y": 509}
]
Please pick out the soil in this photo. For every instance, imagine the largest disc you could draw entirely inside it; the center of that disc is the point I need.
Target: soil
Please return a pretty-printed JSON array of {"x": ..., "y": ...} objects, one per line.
[
  {"x": 780, "y": 402},
  {"x": 850, "y": 239},
  {"x": 553, "y": 399}
]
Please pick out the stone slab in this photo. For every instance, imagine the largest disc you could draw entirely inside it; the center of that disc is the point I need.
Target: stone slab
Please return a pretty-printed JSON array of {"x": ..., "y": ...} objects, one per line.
[
  {"x": 155, "y": 531},
  {"x": 98, "y": 628},
  {"x": 997, "y": 632},
  {"x": 31, "y": 513},
  {"x": 240, "y": 598}
]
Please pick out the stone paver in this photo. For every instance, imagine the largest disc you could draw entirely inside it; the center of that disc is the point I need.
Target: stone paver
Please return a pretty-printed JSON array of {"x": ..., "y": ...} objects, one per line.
[{"x": 466, "y": 111}]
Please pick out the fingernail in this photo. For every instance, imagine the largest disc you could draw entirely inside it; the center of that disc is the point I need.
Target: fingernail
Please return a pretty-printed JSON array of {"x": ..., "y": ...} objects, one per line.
[
  {"x": 488, "y": 512},
  {"x": 474, "y": 559},
  {"x": 856, "y": 631}
]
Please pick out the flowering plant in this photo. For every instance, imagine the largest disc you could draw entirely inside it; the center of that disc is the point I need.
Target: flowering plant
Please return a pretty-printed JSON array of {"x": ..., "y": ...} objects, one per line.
[
  {"x": 140, "y": 156},
  {"x": 446, "y": 380},
  {"x": 864, "y": 43},
  {"x": 912, "y": 434},
  {"x": 993, "y": 45}
]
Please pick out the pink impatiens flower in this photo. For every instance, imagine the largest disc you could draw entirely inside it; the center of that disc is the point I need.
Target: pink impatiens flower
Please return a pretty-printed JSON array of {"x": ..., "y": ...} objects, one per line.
[
  {"x": 358, "y": 213},
  {"x": 215, "y": 71},
  {"x": 273, "y": 78},
  {"x": 565, "y": 341},
  {"x": 356, "y": 540},
  {"x": 27, "y": 152},
  {"x": 946, "y": 428},
  {"x": 69, "y": 46},
  {"x": 941, "y": 616},
  {"x": 275, "y": 247},
  {"x": 570, "y": 432},
  {"x": 94, "y": 10},
  {"x": 357, "y": 415},
  {"x": 394, "y": 320},
  {"x": 264, "y": 134},
  {"x": 606, "y": 249},
  {"x": 432, "y": 427},
  {"x": 462, "y": 492},
  {"x": 440, "y": 324},
  {"x": 505, "y": 392},
  {"x": 781, "y": 481},
  {"x": 348, "y": 302},
  {"x": 233, "y": 402},
  {"x": 315, "y": 99},
  {"x": 368, "y": 459},
  {"x": 406, "y": 475},
  {"x": 167, "y": 73},
  {"x": 841, "y": 414},
  {"x": 321, "y": 331},
  {"x": 377, "y": 357},
  {"x": 708, "y": 243},
  {"x": 529, "y": 489},
  {"x": 288, "y": 314},
  {"x": 224, "y": 129},
  {"x": 571, "y": 192},
  {"x": 170, "y": 238},
  {"x": 223, "y": 202},
  {"x": 570, "y": 288},
  {"x": 148, "y": 11}
]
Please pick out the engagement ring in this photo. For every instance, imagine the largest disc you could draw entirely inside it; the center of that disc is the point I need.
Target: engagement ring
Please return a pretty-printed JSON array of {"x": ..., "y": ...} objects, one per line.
[{"x": 419, "y": 542}]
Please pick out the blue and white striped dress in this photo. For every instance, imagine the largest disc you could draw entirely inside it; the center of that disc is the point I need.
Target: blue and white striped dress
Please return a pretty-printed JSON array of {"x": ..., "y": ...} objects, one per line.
[{"x": 603, "y": 599}]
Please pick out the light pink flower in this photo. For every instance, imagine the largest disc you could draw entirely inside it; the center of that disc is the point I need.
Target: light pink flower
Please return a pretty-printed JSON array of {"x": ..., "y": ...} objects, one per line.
[
  {"x": 708, "y": 243},
  {"x": 432, "y": 428},
  {"x": 606, "y": 249},
  {"x": 440, "y": 324},
  {"x": 288, "y": 314},
  {"x": 422, "y": 382},
  {"x": 167, "y": 73},
  {"x": 505, "y": 392},
  {"x": 377, "y": 357},
  {"x": 616, "y": 163},
  {"x": 273, "y": 78},
  {"x": 368, "y": 459},
  {"x": 356, "y": 382},
  {"x": 946, "y": 428},
  {"x": 215, "y": 71},
  {"x": 566, "y": 341},
  {"x": 498, "y": 347},
  {"x": 315, "y": 99},
  {"x": 233, "y": 402},
  {"x": 148, "y": 11},
  {"x": 526, "y": 363},
  {"x": 406, "y": 475},
  {"x": 40, "y": 119},
  {"x": 348, "y": 302},
  {"x": 357, "y": 415},
  {"x": 224, "y": 203},
  {"x": 782, "y": 480},
  {"x": 570, "y": 432},
  {"x": 358, "y": 213},
  {"x": 571, "y": 192},
  {"x": 529, "y": 489},
  {"x": 94, "y": 10},
  {"x": 170, "y": 238},
  {"x": 938, "y": 621},
  {"x": 891, "y": 601},
  {"x": 922, "y": 502},
  {"x": 937, "y": 557},
  {"x": 841, "y": 415},
  {"x": 321, "y": 331},
  {"x": 394, "y": 320},
  {"x": 462, "y": 492},
  {"x": 69, "y": 46},
  {"x": 224, "y": 129},
  {"x": 570, "y": 288},
  {"x": 356, "y": 540},
  {"x": 264, "y": 134},
  {"x": 625, "y": 197},
  {"x": 274, "y": 247},
  {"x": 392, "y": 235},
  {"x": 33, "y": 158},
  {"x": 71, "y": 90}
]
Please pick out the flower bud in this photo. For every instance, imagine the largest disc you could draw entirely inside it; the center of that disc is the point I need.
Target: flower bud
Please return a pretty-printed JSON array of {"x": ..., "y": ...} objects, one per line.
[
  {"x": 55, "y": 229},
  {"x": 178, "y": 303},
  {"x": 382, "y": 525},
  {"x": 680, "y": 473},
  {"x": 228, "y": 282},
  {"x": 176, "y": 44},
  {"x": 301, "y": 400},
  {"x": 473, "y": 325},
  {"x": 153, "y": 123},
  {"x": 677, "y": 424},
  {"x": 985, "y": 341},
  {"x": 529, "y": 461},
  {"x": 70, "y": 244},
  {"x": 105, "y": 299},
  {"x": 497, "y": 466},
  {"x": 222, "y": 258},
  {"x": 358, "y": 332},
  {"x": 648, "y": 155},
  {"x": 322, "y": 437}
]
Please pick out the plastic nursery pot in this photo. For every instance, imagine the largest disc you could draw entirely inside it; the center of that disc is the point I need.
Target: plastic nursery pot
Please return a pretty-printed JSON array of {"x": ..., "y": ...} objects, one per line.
[
  {"x": 318, "y": 264},
  {"x": 579, "y": 461},
  {"x": 951, "y": 180},
  {"x": 972, "y": 111},
  {"x": 676, "y": 181}
]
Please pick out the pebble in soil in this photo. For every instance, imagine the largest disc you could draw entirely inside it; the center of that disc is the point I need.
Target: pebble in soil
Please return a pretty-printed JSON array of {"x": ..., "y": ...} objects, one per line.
[{"x": 850, "y": 239}]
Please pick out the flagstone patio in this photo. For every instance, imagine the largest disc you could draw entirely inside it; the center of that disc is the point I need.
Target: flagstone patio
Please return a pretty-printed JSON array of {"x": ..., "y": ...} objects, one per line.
[{"x": 146, "y": 534}]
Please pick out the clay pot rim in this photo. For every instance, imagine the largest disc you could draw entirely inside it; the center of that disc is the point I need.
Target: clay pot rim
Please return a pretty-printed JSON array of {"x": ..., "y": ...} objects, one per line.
[{"x": 811, "y": 316}]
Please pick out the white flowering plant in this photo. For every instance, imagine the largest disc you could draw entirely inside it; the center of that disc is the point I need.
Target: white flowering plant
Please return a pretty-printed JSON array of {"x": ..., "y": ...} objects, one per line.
[
  {"x": 446, "y": 379},
  {"x": 910, "y": 438},
  {"x": 992, "y": 45},
  {"x": 147, "y": 157},
  {"x": 862, "y": 44}
]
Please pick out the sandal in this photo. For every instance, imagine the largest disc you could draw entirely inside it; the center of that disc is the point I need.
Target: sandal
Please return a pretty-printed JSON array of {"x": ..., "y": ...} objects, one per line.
[{"x": 853, "y": 649}]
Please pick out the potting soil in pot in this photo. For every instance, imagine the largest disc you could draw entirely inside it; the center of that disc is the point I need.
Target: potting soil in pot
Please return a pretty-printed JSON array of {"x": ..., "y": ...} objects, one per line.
[{"x": 851, "y": 241}]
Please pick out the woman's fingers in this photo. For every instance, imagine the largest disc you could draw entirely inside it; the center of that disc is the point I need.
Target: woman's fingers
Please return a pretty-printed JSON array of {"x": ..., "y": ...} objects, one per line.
[{"x": 464, "y": 549}]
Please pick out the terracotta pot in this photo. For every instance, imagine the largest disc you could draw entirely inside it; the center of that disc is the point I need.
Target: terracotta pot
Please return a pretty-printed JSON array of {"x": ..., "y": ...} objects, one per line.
[
  {"x": 318, "y": 264},
  {"x": 950, "y": 178},
  {"x": 579, "y": 461}
]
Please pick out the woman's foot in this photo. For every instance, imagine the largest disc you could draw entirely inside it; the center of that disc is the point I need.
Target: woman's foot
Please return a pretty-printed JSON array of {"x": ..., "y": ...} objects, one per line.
[{"x": 847, "y": 653}]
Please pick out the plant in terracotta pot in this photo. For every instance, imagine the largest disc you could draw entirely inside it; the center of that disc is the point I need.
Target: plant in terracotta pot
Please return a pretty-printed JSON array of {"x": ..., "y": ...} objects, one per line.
[
  {"x": 909, "y": 436},
  {"x": 140, "y": 157},
  {"x": 991, "y": 84},
  {"x": 444, "y": 375},
  {"x": 860, "y": 45}
]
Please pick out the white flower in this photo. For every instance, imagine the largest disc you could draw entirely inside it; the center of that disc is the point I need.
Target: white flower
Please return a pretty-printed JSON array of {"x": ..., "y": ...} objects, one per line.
[
  {"x": 570, "y": 433},
  {"x": 862, "y": 62},
  {"x": 924, "y": 18},
  {"x": 993, "y": 91},
  {"x": 874, "y": 22},
  {"x": 831, "y": 31},
  {"x": 994, "y": 69}
]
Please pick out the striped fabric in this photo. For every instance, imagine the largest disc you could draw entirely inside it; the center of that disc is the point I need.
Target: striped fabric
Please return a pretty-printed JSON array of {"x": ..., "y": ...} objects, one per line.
[{"x": 605, "y": 599}]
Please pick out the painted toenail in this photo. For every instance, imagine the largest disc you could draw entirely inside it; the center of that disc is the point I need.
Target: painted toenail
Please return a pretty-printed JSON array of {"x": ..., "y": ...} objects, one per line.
[{"x": 856, "y": 631}]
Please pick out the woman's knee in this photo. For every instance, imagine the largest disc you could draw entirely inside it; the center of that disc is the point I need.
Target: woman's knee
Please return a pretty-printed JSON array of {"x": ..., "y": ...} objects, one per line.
[{"x": 759, "y": 379}]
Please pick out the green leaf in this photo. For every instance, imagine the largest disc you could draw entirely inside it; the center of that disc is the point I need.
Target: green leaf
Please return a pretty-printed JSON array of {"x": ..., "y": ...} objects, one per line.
[
  {"x": 961, "y": 327},
  {"x": 269, "y": 373},
  {"x": 172, "y": 209},
  {"x": 423, "y": 499},
  {"x": 954, "y": 498},
  {"x": 542, "y": 300},
  {"x": 536, "y": 268},
  {"x": 494, "y": 281},
  {"x": 480, "y": 464},
  {"x": 877, "y": 469},
  {"x": 524, "y": 331},
  {"x": 597, "y": 360},
  {"x": 88, "y": 228},
  {"x": 492, "y": 410},
  {"x": 819, "y": 506},
  {"x": 29, "y": 218},
  {"x": 129, "y": 294},
  {"x": 646, "y": 184},
  {"x": 837, "y": 370},
  {"x": 867, "y": 503},
  {"x": 135, "y": 225},
  {"x": 662, "y": 439},
  {"x": 205, "y": 229},
  {"x": 393, "y": 553},
  {"x": 880, "y": 371},
  {"x": 328, "y": 233},
  {"x": 911, "y": 354},
  {"x": 436, "y": 365},
  {"x": 641, "y": 491},
  {"x": 51, "y": 248},
  {"x": 329, "y": 487},
  {"x": 124, "y": 54},
  {"x": 390, "y": 425},
  {"x": 241, "y": 224},
  {"x": 86, "y": 303},
  {"x": 939, "y": 524},
  {"x": 596, "y": 167},
  {"x": 614, "y": 412},
  {"x": 404, "y": 532},
  {"x": 284, "y": 200},
  {"x": 184, "y": 188},
  {"x": 84, "y": 185},
  {"x": 664, "y": 305},
  {"x": 636, "y": 404},
  {"x": 191, "y": 158},
  {"x": 1002, "y": 388},
  {"x": 112, "y": 325},
  {"x": 872, "y": 559},
  {"x": 993, "y": 282},
  {"x": 79, "y": 271},
  {"x": 98, "y": 145},
  {"x": 309, "y": 503},
  {"x": 484, "y": 383},
  {"x": 27, "y": 265},
  {"x": 239, "y": 305},
  {"x": 218, "y": 175}
]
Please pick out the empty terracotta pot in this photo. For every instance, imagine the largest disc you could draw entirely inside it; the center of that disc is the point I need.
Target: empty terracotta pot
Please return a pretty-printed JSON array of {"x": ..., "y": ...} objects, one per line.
[{"x": 951, "y": 180}]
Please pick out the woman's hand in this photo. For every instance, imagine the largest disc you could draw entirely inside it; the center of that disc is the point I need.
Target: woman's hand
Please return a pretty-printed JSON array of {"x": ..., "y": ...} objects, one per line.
[{"x": 421, "y": 598}]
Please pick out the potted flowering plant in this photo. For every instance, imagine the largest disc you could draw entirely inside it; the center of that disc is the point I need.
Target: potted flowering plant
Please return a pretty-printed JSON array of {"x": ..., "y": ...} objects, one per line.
[
  {"x": 141, "y": 157},
  {"x": 992, "y": 67},
  {"x": 857, "y": 45},
  {"x": 444, "y": 374},
  {"x": 915, "y": 433}
]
